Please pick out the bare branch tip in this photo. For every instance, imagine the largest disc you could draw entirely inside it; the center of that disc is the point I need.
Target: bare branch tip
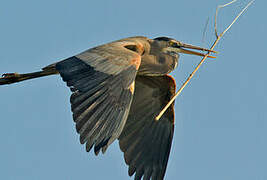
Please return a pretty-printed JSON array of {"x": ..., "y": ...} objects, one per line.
[
  {"x": 241, "y": 12},
  {"x": 218, "y": 37}
]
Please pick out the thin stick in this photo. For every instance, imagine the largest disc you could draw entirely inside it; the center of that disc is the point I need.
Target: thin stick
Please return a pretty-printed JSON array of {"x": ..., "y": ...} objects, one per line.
[
  {"x": 216, "y": 14},
  {"x": 237, "y": 17},
  {"x": 205, "y": 30},
  {"x": 203, "y": 59}
]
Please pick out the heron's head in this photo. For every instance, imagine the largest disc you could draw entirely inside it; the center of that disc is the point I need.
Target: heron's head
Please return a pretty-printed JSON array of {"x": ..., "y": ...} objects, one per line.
[
  {"x": 173, "y": 47},
  {"x": 163, "y": 55}
]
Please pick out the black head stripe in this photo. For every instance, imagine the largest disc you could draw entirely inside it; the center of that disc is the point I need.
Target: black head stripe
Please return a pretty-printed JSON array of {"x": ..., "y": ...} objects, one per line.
[{"x": 163, "y": 39}]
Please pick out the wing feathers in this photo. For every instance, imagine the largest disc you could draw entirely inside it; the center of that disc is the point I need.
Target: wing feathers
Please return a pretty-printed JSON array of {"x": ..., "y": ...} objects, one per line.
[
  {"x": 100, "y": 102},
  {"x": 146, "y": 142},
  {"x": 102, "y": 80}
]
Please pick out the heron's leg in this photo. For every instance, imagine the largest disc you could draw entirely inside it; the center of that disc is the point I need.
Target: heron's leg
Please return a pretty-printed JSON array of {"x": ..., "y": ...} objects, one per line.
[{"x": 9, "y": 78}]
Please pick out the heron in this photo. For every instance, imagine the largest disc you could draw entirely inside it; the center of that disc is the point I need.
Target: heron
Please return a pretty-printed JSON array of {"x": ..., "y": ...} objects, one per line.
[{"x": 118, "y": 89}]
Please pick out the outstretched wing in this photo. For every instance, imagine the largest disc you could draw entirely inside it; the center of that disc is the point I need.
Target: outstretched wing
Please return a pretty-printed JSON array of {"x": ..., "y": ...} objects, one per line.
[
  {"x": 102, "y": 81},
  {"x": 146, "y": 143}
]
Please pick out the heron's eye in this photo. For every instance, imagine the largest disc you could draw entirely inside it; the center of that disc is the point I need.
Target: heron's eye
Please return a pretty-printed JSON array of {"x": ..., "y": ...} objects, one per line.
[
  {"x": 176, "y": 45},
  {"x": 171, "y": 43}
]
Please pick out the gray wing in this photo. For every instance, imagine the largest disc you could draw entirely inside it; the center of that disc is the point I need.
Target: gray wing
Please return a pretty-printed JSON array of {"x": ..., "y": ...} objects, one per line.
[
  {"x": 102, "y": 82},
  {"x": 146, "y": 143}
]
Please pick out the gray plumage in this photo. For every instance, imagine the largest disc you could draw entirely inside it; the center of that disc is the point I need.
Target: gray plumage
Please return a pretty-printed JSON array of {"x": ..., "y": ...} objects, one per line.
[{"x": 117, "y": 90}]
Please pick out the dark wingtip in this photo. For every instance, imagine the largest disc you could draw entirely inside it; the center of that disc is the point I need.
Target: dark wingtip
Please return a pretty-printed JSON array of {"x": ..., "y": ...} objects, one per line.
[{"x": 100, "y": 145}]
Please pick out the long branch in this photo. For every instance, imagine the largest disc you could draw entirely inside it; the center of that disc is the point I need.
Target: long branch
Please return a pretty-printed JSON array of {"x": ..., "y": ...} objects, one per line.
[{"x": 218, "y": 37}]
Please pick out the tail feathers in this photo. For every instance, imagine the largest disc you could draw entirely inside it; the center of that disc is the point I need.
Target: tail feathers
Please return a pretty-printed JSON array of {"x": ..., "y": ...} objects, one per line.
[{"x": 10, "y": 78}]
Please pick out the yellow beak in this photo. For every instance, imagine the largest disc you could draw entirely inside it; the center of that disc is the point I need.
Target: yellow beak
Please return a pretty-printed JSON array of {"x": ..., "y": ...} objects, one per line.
[{"x": 180, "y": 48}]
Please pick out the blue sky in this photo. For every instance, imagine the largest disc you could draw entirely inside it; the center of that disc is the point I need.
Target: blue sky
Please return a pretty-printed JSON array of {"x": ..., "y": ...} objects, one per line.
[{"x": 221, "y": 127}]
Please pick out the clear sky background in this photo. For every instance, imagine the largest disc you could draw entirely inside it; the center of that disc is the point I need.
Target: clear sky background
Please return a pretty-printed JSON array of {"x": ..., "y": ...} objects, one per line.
[{"x": 221, "y": 128}]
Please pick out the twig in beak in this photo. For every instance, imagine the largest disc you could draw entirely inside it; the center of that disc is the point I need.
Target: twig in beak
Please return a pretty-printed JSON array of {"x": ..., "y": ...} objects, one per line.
[{"x": 218, "y": 37}]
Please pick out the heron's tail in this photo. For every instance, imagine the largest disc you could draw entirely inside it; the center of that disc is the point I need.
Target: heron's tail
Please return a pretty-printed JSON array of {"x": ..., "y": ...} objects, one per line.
[{"x": 10, "y": 78}]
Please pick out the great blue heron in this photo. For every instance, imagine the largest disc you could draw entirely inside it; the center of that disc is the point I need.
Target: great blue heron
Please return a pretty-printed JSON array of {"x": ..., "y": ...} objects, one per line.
[{"x": 117, "y": 90}]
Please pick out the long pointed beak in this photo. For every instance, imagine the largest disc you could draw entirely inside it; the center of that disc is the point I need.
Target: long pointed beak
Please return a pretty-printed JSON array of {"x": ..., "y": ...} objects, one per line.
[
  {"x": 185, "y": 51},
  {"x": 180, "y": 48},
  {"x": 196, "y": 47}
]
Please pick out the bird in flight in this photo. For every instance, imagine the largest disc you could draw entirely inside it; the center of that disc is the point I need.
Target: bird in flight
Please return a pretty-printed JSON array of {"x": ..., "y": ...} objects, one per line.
[{"x": 118, "y": 89}]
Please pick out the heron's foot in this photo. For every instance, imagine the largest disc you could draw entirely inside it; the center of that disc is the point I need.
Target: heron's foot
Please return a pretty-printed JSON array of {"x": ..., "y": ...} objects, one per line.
[
  {"x": 9, "y": 78},
  {"x": 10, "y": 75}
]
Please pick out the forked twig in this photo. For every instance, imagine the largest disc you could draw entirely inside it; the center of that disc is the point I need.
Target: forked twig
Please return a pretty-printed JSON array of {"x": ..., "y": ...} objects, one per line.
[
  {"x": 216, "y": 14},
  {"x": 218, "y": 37}
]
